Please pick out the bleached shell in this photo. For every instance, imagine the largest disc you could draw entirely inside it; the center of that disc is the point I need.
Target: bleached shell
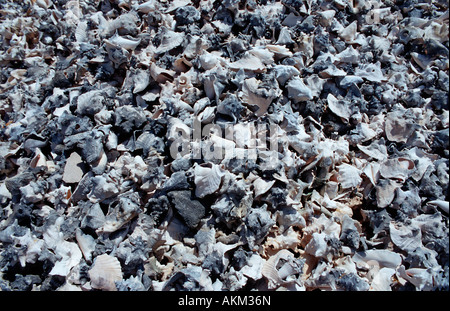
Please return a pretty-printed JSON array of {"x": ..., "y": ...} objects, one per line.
[
  {"x": 147, "y": 6},
  {"x": 283, "y": 73},
  {"x": 128, "y": 44},
  {"x": 443, "y": 205},
  {"x": 371, "y": 72},
  {"x": 257, "y": 97},
  {"x": 349, "y": 55},
  {"x": 279, "y": 50},
  {"x": 341, "y": 108},
  {"x": 419, "y": 277},
  {"x": 298, "y": 91},
  {"x": 207, "y": 179},
  {"x": 207, "y": 115},
  {"x": 270, "y": 271},
  {"x": 407, "y": 238},
  {"x": 397, "y": 127},
  {"x": 72, "y": 170},
  {"x": 349, "y": 33},
  {"x": 248, "y": 62},
  {"x": 263, "y": 54},
  {"x": 208, "y": 60},
  {"x": 382, "y": 280},
  {"x": 176, "y": 4},
  {"x": 86, "y": 243},
  {"x": 177, "y": 130},
  {"x": 201, "y": 104},
  {"x": 349, "y": 176},
  {"x": 253, "y": 268},
  {"x": 81, "y": 34},
  {"x": 377, "y": 149},
  {"x": 384, "y": 258},
  {"x": 39, "y": 159},
  {"x": 332, "y": 71},
  {"x": 385, "y": 192},
  {"x": 326, "y": 17},
  {"x": 317, "y": 246},
  {"x": 213, "y": 86},
  {"x": 71, "y": 256},
  {"x": 284, "y": 38},
  {"x": 122, "y": 213},
  {"x": 261, "y": 186},
  {"x": 398, "y": 168},
  {"x": 104, "y": 188},
  {"x": 422, "y": 162},
  {"x": 161, "y": 75},
  {"x": 141, "y": 80},
  {"x": 170, "y": 40},
  {"x": 287, "y": 240},
  {"x": 105, "y": 271},
  {"x": 372, "y": 171}
]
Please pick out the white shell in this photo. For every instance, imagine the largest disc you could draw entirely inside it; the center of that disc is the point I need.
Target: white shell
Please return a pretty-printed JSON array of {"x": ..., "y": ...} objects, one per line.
[
  {"x": 371, "y": 72},
  {"x": 207, "y": 179},
  {"x": 341, "y": 108},
  {"x": 170, "y": 39},
  {"x": 382, "y": 280},
  {"x": 248, "y": 62},
  {"x": 69, "y": 252},
  {"x": 444, "y": 205},
  {"x": 105, "y": 271},
  {"x": 349, "y": 176},
  {"x": 385, "y": 258},
  {"x": 252, "y": 96},
  {"x": 147, "y": 7},
  {"x": 298, "y": 91},
  {"x": 277, "y": 277},
  {"x": 405, "y": 237},
  {"x": 261, "y": 186},
  {"x": 72, "y": 170},
  {"x": 123, "y": 42},
  {"x": 349, "y": 33},
  {"x": 86, "y": 244}
]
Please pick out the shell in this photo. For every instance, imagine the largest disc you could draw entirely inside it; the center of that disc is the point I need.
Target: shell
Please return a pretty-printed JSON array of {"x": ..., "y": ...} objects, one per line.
[
  {"x": 341, "y": 108},
  {"x": 384, "y": 258},
  {"x": 207, "y": 179},
  {"x": 72, "y": 170},
  {"x": 105, "y": 271},
  {"x": 283, "y": 73},
  {"x": 349, "y": 33},
  {"x": 443, "y": 205},
  {"x": 382, "y": 280},
  {"x": 252, "y": 94},
  {"x": 147, "y": 7},
  {"x": 169, "y": 40},
  {"x": 280, "y": 276},
  {"x": 298, "y": 91},
  {"x": 224, "y": 145},
  {"x": 371, "y": 72},
  {"x": 86, "y": 244},
  {"x": 248, "y": 62}
]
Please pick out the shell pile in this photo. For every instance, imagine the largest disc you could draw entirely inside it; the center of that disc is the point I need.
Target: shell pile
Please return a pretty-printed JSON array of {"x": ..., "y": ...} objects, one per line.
[{"x": 107, "y": 183}]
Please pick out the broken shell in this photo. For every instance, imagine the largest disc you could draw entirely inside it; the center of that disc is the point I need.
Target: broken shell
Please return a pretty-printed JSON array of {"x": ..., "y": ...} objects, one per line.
[
  {"x": 72, "y": 170},
  {"x": 234, "y": 145},
  {"x": 207, "y": 179},
  {"x": 298, "y": 91}
]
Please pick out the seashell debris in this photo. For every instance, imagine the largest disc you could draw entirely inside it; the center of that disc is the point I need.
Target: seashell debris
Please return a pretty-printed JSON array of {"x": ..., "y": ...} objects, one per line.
[{"x": 224, "y": 145}]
